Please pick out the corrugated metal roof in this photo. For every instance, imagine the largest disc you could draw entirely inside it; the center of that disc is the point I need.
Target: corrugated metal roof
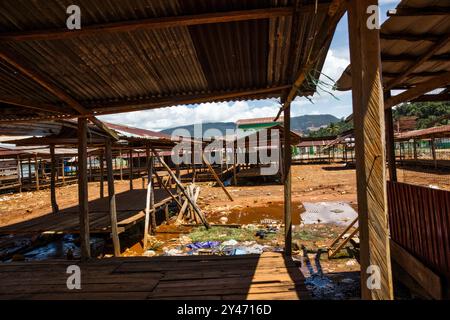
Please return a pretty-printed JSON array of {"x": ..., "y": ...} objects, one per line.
[
  {"x": 136, "y": 132},
  {"x": 404, "y": 39},
  {"x": 258, "y": 121},
  {"x": 438, "y": 132},
  {"x": 168, "y": 64}
]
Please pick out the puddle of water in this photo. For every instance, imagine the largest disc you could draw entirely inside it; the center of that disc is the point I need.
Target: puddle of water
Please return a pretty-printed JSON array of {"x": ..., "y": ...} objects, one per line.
[
  {"x": 59, "y": 248},
  {"x": 255, "y": 214},
  {"x": 338, "y": 213}
]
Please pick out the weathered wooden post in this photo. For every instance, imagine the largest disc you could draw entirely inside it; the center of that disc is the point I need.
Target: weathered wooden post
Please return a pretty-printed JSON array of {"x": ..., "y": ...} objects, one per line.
[
  {"x": 83, "y": 189},
  {"x": 130, "y": 165},
  {"x": 368, "y": 110},
  {"x": 102, "y": 187},
  {"x": 112, "y": 198},
  {"x": 55, "y": 208},
  {"x": 36, "y": 171},
  {"x": 390, "y": 141},
  {"x": 63, "y": 173},
  {"x": 30, "y": 177},
  {"x": 433, "y": 152},
  {"x": 287, "y": 180},
  {"x": 121, "y": 165}
]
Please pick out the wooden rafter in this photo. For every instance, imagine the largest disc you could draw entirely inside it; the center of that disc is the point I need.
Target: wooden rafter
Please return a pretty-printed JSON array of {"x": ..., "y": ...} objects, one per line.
[
  {"x": 419, "y": 12},
  {"x": 422, "y": 59},
  {"x": 35, "y": 105},
  {"x": 424, "y": 74},
  {"x": 412, "y": 58},
  {"x": 151, "y": 24},
  {"x": 55, "y": 90},
  {"x": 442, "y": 97},
  {"x": 336, "y": 10},
  {"x": 419, "y": 90},
  {"x": 141, "y": 104},
  {"x": 410, "y": 37}
]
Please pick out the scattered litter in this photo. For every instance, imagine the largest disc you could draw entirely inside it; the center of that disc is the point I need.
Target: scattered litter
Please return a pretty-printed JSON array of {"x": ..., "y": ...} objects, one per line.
[
  {"x": 203, "y": 245},
  {"x": 231, "y": 242},
  {"x": 149, "y": 253},
  {"x": 173, "y": 252}
]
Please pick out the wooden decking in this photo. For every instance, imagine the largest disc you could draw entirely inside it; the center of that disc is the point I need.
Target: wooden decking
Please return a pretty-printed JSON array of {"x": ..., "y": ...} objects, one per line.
[
  {"x": 130, "y": 210},
  {"x": 267, "y": 276}
]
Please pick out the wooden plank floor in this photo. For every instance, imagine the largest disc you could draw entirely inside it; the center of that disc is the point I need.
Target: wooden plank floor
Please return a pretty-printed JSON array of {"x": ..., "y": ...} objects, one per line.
[
  {"x": 268, "y": 276},
  {"x": 130, "y": 209}
]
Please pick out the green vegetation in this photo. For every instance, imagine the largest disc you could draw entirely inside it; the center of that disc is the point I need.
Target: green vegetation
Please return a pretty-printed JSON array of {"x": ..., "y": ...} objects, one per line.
[
  {"x": 224, "y": 234},
  {"x": 429, "y": 114},
  {"x": 333, "y": 129}
]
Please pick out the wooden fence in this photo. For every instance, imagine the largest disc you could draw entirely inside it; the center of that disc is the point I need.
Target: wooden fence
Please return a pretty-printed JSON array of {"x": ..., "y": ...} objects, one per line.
[{"x": 419, "y": 220}]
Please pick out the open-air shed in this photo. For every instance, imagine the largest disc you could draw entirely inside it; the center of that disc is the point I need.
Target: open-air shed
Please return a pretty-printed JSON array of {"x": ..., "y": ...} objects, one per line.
[{"x": 133, "y": 55}]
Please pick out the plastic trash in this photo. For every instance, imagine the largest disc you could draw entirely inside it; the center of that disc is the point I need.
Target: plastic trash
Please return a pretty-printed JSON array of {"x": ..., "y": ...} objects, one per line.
[
  {"x": 203, "y": 245},
  {"x": 231, "y": 242}
]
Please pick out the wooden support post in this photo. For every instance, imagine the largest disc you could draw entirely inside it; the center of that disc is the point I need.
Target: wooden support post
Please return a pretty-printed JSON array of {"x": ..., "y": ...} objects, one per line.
[
  {"x": 21, "y": 169},
  {"x": 166, "y": 213},
  {"x": 433, "y": 151},
  {"x": 19, "y": 173},
  {"x": 112, "y": 197},
  {"x": 121, "y": 165},
  {"x": 287, "y": 181},
  {"x": 63, "y": 173},
  {"x": 183, "y": 190},
  {"x": 415, "y": 149},
  {"x": 90, "y": 168},
  {"x": 130, "y": 165},
  {"x": 211, "y": 169},
  {"x": 178, "y": 174},
  {"x": 150, "y": 171},
  {"x": 83, "y": 189},
  {"x": 234, "y": 165},
  {"x": 390, "y": 143},
  {"x": 30, "y": 177},
  {"x": 161, "y": 183},
  {"x": 102, "y": 191},
  {"x": 55, "y": 208},
  {"x": 370, "y": 152},
  {"x": 36, "y": 171}
]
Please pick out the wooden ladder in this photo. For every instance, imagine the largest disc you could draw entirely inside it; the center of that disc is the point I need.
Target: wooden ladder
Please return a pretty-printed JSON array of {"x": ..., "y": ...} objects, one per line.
[{"x": 335, "y": 247}]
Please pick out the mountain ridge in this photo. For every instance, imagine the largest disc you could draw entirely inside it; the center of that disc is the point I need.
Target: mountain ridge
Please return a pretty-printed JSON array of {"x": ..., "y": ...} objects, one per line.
[{"x": 301, "y": 124}]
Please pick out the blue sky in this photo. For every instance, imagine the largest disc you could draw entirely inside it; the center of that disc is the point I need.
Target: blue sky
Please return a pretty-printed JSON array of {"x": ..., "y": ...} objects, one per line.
[{"x": 323, "y": 103}]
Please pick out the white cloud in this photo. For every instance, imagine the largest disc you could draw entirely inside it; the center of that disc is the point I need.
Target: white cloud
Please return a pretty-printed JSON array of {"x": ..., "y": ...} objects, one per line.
[
  {"x": 206, "y": 112},
  {"x": 336, "y": 62}
]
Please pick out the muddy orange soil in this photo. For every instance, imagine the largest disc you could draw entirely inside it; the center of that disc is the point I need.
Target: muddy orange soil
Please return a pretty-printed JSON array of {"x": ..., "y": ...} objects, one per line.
[{"x": 310, "y": 183}]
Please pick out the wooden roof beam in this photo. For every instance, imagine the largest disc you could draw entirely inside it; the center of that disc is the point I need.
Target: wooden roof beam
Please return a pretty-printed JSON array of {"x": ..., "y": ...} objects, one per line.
[
  {"x": 21, "y": 67},
  {"x": 416, "y": 64},
  {"x": 145, "y": 104},
  {"x": 410, "y": 37},
  {"x": 419, "y": 90},
  {"x": 423, "y": 74},
  {"x": 336, "y": 10},
  {"x": 433, "y": 98},
  {"x": 412, "y": 58},
  {"x": 417, "y": 12},
  {"x": 36, "y": 106},
  {"x": 153, "y": 24}
]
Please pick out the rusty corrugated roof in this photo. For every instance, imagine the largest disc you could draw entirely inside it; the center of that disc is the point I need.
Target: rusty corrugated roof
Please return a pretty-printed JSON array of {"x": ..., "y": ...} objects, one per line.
[
  {"x": 124, "y": 71},
  {"x": 404, "y": 39},
  {"x": 437, "y": 132}
]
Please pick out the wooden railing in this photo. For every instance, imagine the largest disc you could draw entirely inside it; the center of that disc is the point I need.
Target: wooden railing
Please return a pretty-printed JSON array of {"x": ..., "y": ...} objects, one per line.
[{"x": 419, "y": 221}]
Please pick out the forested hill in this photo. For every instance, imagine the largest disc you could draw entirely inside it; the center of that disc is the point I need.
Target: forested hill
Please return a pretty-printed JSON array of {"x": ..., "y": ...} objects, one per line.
[{"x": 301, "y": 124}]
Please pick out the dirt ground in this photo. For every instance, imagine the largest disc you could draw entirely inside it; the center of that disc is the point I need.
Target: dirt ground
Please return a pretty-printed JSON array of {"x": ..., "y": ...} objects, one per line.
[
  {"x": 310, "y": 183},
  {"x": 336, "y": 278}
]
